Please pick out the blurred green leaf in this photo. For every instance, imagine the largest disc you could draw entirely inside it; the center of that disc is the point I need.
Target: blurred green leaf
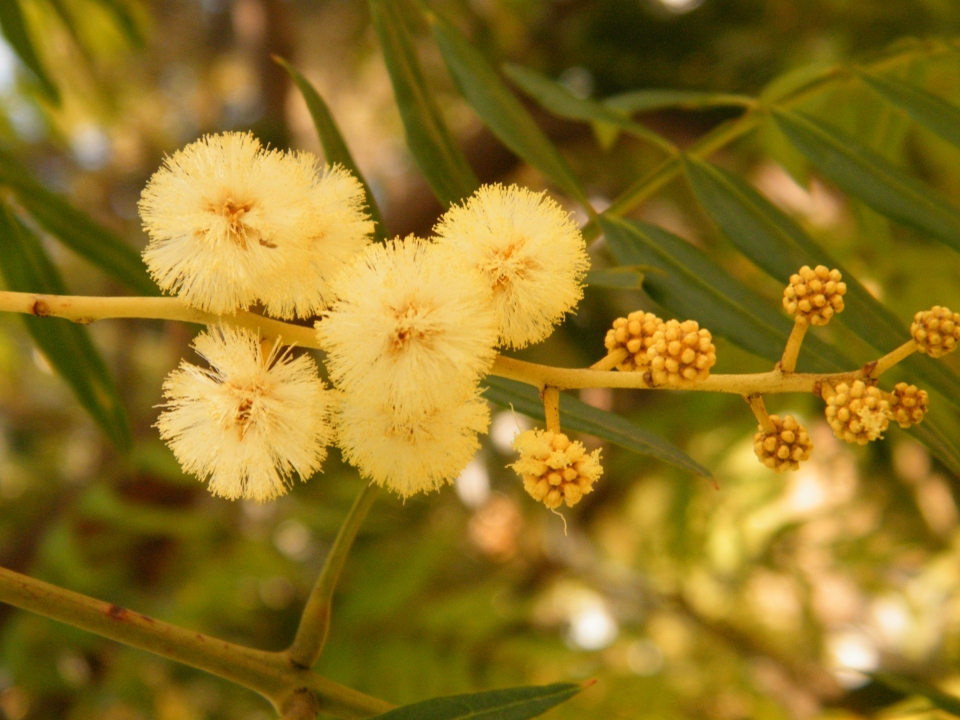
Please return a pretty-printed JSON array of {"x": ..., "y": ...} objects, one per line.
[
  {"x": 863, "y": 173},
  {"x": 780, "y": 247},
  {"x": 619, "y": 278},
  {"x": 653, "y": 99},
  {"x": 14, "y": 27},
  {"x": 695, "y": 287},
  {"x": 798, "y": 80},
  {"x": 940, "y": 443},
  {"x": 77, "y": 230},
  {"x": 67, "y": 346},
  {"x": 933, "y": 113},
  {"x": 517, "y": 703},
  {"x": 909, "y": 686},
  {"x": 334, "y": 147},
  {"x": 499, "y": 108},
  {"x": 125, "y": 20},
  {"x": 429, "y": 139},
  {"x": 561, "y": 102},
  {"x": 577, "y": 415}
]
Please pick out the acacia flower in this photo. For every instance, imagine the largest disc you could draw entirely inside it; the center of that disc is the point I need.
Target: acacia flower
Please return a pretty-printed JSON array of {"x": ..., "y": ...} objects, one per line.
[
  {"x": 337, "y": 227},
  {"x": 419, "y": 454},
  {"x": 528, "y": 249},
  {"x": 412, "y": 330},
  {"x": 554, "y": 469},
  {"x": 251, "y": 420}
]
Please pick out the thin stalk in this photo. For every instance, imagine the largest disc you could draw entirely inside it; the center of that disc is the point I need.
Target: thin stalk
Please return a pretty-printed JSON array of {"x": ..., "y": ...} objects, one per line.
[
  {"x": 301, "y": 706},
  {"x": 84, "y": 310},
  {"x": 892, "y": 358},
  {"x": 267, "y": 673},
  {"x": 760, "y": 413},
  {"x": 315, "y": 621},
  {"x": 551, "y": 408},
  {"x": 611, "y": 360},
  {"x": 788, "y": 363}
]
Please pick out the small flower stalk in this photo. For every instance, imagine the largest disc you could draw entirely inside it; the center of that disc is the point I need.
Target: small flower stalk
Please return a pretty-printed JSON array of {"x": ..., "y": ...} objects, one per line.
[{"x": 554, "y": 469}]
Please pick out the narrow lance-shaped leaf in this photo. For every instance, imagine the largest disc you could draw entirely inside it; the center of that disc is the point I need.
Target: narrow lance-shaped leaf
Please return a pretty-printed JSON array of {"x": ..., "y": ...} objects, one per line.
[
  {"x": 865, "y": 174},
  {"x": 578, "y": 416},
  {"x": 909, "y": 686},
  {"x": 517, "y": 703},
  {"x": 76, "y": 229},
  {"x": 125, "y": 20},
  {"x": 619, "y": 278},
  {"x": 695, "y": 287},
  {"x": 779, "y": 246},
  {"x": 429, "y": 139},
  {"x": 499, "y": 108},
  {"x": 14, "y": 27},
  {"x": 933, "y": 113},
  {"x": 334, "y": 147},
  {"x": 26, "y": 268},
  {"x": 656, "y": 99},
  {"x": 561, "y": 102}
]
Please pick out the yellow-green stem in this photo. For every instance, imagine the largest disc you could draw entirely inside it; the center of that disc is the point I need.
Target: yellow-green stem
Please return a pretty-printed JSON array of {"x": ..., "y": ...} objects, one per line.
[
  {"x": 760, "y": 412},
  {"x": 315, "y": 621},
  {"x": 551, "y": 407},
  {"x": 892, "y": 358},
  {"x": 267, "y": 673},
  {"x": 788, "y": 363},
  {"x": 611, "y": 360}
]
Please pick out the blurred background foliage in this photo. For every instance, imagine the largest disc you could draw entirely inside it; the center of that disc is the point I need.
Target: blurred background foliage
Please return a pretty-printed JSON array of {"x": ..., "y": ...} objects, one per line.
[{"x": 760, "y": 599}]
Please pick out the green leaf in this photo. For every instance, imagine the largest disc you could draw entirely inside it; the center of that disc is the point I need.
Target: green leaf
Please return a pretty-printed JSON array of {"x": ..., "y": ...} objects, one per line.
[
  {"x": 499, "y": 108},
  {"x": 561, "y": 102},
  {"x": 780, "y": 247},
  {"x": 577, "y": 415},
  {"x": 619, "y": 278},
  {"x": 14, "y": 27},
  {"x": 76, "y": 229},
  {"x": 517, "y": 703},
  {"x": 334, "y": 147},
  {"x": 940, "y": 443},
  {"x": 68, "y": 348},
  {"x": 800, "y": 80},
  {"x": 863, "y": 173},
  {"x": 432, "y": 145},
  {"x": 693, "y": 286},
  {"x": 909, "y": 686},
  {"x": 654, "y": 99},
  {"x": 125, "y": 20},
  {"x": 933, "y": 113}
]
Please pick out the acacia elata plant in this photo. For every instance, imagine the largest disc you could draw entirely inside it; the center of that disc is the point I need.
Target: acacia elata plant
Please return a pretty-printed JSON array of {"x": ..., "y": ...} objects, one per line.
[{"x": 278, "y": 255}]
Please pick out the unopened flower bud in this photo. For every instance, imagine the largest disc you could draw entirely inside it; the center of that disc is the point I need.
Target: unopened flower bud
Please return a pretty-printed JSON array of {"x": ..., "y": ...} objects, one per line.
[
  {"x": 908, "y": 404},
  {"x": 785, "y": 447},
  {"x": 814, "y": 295},
  {"x": 936, "y": 330},
  {"x": 681, "y": 353},
  {"x": 554, "y": 468},
  {"x": 857, "y": 413},
  {"x": 634, "y": 334}
]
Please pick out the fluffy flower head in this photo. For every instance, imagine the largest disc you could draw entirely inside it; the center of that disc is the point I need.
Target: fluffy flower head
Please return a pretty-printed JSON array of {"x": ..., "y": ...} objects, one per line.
[
  {"x": 410, "y": 330},
  {"x": 249, "y": 421},
  {"x": 530, "y": 252},
  {"x": 421, "y": 454},
  {"x": 554, "y": 469}
]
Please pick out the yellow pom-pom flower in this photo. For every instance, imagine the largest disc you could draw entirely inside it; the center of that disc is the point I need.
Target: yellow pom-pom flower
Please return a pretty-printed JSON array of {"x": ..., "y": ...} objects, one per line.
[
  {"x": 411, "y": 331},
  {"x": 554, "y": 469},
  {"x": 937, "y": 331},
  {"x": 530, "y": 252},
  {"x": 337, "y": 228},
  {"x": 785, "y": 446},
  {"x": 858, "y": 413},
  {"x": 681, "y": 353},
  {"x": 415, "y": 455},
  {"x": 251, "y": 420},
  {"x": 814, "y": 295},
  {"x": 635, "y": 334},
  {"x": 217, "y": 213}
]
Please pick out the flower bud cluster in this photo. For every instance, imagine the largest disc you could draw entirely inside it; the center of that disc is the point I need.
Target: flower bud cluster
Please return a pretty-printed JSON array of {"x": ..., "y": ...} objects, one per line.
[
  {"x": 908, "y": 404},
  {"x": 785, "y": 446},
  {"x": 555, "y": 470},
  {"x": 857, "y": 413},
  {"x": 814, "y": 295},
  {"x": 681, "y": 353},
  {"x": 937, "y": 331},
  {"x": 634, "y": 334}
]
